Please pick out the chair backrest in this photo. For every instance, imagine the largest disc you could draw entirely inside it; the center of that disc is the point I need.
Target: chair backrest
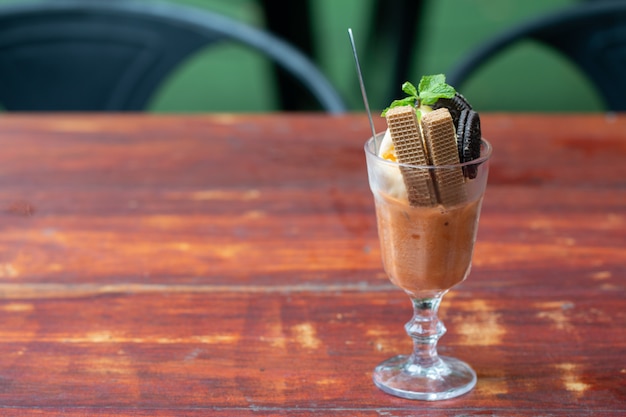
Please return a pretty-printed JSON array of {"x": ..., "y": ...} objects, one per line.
[
  {"x": 592, "y": 35},
  {"x": 112, "y": 55}
]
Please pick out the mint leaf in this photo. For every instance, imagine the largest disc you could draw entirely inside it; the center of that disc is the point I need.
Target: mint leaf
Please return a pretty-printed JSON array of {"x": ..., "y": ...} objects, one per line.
[
  {"x": 434, "y": 87},
  {"x": 407, "y": 101},
  {"x": 410, "y": 89},
  {"x": 436, "y": 92},
  {"x": 428, "y": 82},
  {"x": 430, "y": 89}
]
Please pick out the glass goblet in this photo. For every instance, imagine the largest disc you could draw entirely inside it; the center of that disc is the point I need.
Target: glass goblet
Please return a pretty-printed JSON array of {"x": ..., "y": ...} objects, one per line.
[{"x": 426, "y": 250}]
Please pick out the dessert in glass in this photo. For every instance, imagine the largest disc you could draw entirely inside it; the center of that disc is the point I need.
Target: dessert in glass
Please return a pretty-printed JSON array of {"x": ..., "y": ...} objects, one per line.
[{"x": 428, "y": 174}]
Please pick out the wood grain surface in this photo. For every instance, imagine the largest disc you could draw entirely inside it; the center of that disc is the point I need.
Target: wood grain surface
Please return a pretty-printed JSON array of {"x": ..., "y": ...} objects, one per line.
[{"x": 228, "y": 265}]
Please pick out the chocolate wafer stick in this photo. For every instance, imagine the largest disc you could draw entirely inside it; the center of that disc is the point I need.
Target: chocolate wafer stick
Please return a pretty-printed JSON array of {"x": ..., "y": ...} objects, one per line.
[
  {"x": 440, "y": 137},
  {"x": 408, "y": 143}
]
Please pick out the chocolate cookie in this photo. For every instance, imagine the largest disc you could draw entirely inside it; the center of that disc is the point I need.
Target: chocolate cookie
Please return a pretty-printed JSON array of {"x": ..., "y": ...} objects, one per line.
[
  {"x": 455, "y": 105},
  {"x": 468, "y": 140}
]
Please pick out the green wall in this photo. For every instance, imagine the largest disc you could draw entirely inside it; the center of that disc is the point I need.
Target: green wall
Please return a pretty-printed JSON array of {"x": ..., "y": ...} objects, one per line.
[{"x": 528, "y": 77}]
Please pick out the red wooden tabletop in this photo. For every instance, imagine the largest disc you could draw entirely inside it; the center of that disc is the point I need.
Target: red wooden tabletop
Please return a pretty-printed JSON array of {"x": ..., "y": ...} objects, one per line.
[{"x": 228, "y": 265}]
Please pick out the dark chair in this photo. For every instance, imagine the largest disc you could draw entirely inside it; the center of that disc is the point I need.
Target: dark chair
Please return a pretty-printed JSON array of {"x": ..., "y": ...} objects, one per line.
[
  {"x": 112, "y": 55},
  {"x": 298, "y": 28},
  {"x": 592, "y": 35}
]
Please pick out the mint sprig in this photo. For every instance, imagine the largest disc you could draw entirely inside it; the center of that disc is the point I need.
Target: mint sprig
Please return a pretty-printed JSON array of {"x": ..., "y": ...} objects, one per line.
[{"x": 430, "y": 89}]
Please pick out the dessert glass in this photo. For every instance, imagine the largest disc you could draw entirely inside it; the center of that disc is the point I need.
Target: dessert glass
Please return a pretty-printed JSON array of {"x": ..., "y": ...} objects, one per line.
[{"x": 425, "y": 251}]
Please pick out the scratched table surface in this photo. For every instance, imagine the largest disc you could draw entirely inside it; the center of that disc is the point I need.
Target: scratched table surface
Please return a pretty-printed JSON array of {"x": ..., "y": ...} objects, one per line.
[{"x": 228, "y": 265}]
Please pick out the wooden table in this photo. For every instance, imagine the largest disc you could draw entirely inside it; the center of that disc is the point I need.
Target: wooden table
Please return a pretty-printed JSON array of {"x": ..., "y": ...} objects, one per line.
[{"x": 156, "y": 265}]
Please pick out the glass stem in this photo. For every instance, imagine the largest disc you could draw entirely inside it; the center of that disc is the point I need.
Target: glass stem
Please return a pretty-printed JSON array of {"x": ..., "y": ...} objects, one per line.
[{"x": 425, "y": 329}]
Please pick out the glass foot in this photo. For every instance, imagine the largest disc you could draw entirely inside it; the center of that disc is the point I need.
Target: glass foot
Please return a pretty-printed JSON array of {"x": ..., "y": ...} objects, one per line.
[{"x": 402, "y": 377}]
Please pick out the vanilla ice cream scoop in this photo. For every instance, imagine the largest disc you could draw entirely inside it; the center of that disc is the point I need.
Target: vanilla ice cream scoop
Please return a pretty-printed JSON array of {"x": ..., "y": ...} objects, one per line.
[{"x": 391, "y": 177}]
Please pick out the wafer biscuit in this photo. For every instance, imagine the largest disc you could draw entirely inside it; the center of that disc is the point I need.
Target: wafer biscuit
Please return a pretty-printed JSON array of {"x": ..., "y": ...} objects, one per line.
[
  {"x": 409, "y": 146},
  {"x": 440, "y": 137}
]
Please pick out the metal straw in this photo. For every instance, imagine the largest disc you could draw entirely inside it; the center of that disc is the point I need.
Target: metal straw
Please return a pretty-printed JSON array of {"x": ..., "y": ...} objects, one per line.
[{"x": 362, "y": 84}]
